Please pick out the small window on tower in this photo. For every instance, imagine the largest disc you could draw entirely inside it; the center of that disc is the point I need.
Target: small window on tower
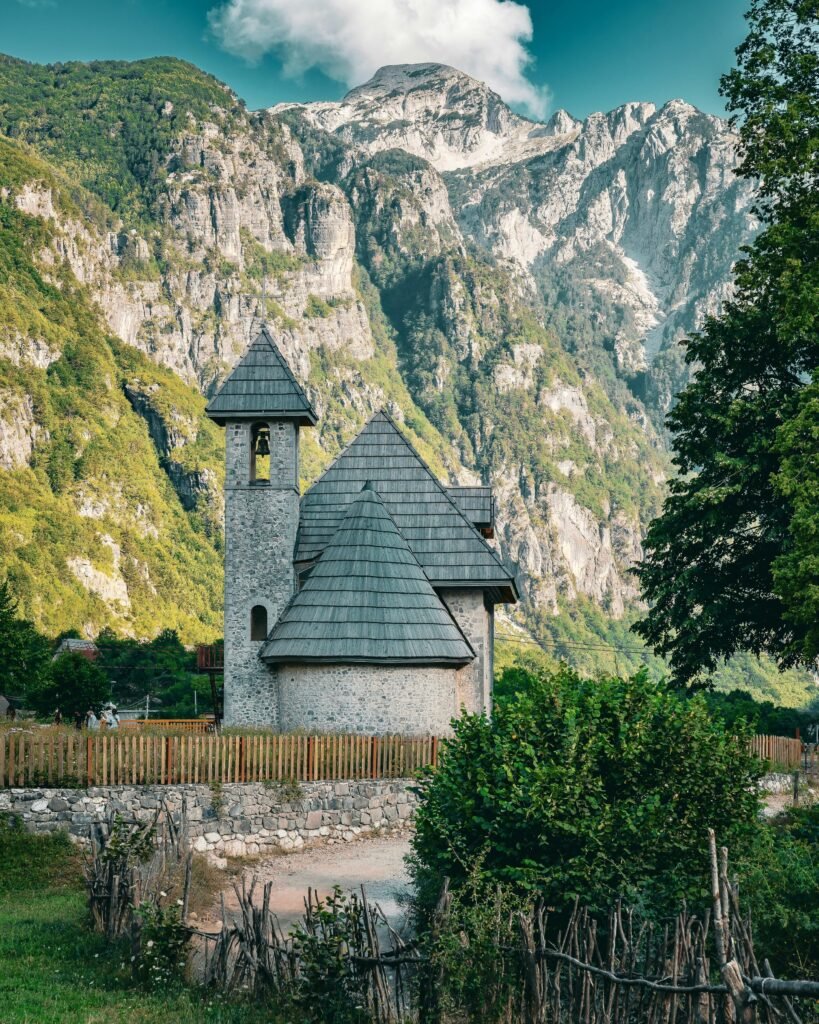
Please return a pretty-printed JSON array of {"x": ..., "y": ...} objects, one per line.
[
  {"x": 258, "y": 622},
  {"x": 260, "y": 454}
]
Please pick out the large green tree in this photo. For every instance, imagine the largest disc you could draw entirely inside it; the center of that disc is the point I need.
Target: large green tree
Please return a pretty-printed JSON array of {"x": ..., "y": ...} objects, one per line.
[
  {"x": 24, "y": 654},
  {"x": 73, "y": 685},
  {"x": 732, "y": 563}
]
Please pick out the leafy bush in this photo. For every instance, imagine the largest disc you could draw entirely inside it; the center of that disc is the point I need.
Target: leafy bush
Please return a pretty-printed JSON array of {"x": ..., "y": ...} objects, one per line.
[
  {"x": 332, "y": 989},
  {"x": 591, "y": 788},
  {"x": 163, "y": 945},
  {"x": 779, "y": 879}
]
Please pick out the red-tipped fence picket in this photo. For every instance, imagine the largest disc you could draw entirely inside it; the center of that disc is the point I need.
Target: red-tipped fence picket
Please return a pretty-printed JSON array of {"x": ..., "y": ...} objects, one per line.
[{"x": 27, "y": 759}]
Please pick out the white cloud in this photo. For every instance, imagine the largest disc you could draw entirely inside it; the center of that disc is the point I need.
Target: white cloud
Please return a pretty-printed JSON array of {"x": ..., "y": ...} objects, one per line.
[{"x": 350, "y": 39}]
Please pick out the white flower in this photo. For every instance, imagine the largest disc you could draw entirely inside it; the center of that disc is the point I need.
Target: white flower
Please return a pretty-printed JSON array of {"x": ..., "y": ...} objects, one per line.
[{"x": 150, "y": 943}]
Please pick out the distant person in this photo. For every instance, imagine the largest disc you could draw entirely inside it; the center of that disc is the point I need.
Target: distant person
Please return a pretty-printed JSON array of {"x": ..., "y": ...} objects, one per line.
[
  {"x": 110, "y": 719},
  {"x": 79, "y": 720},
  {"x": 91, "y": 720},
  {"x": 58, "y": 717},
  {"x": 11, "y": 712}
]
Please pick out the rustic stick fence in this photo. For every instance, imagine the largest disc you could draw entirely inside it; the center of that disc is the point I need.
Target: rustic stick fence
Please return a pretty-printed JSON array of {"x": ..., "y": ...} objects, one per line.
[
  {"x": 76, "y": 759},
  {"x": 624, "y": 970}
]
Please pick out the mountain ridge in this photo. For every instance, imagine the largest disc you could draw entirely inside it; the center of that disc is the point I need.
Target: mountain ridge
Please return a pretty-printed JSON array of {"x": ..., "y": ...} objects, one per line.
[{"x": 385, "y": 286}]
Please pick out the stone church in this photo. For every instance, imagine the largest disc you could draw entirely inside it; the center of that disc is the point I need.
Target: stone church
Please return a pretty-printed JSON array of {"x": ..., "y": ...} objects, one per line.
[{"x": 367, "y": 604}]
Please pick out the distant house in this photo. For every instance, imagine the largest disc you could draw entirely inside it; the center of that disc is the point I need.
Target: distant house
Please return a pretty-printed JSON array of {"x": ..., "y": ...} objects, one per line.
[
  {"x": 368, "y": 604},
  {"x": 73, "y": 645}
]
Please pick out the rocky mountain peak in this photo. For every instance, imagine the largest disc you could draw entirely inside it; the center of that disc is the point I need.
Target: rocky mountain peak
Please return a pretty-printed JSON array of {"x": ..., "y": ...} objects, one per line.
[
  {"x": 430, "y": 110},
  {"x": 430, "y": 78}
]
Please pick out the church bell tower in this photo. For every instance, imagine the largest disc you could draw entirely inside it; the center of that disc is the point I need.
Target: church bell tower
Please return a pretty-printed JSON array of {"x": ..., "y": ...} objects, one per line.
[{"x": 261, "y": 405}]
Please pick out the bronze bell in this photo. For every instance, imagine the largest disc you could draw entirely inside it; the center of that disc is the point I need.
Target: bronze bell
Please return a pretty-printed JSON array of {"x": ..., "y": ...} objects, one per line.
[{"x": 262, "y": 444}]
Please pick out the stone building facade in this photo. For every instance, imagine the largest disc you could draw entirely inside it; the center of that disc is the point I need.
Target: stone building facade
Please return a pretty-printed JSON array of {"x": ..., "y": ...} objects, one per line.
[{"x": 366, "y": 605}]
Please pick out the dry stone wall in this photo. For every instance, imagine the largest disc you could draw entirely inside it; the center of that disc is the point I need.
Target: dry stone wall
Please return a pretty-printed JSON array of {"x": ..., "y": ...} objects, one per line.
[{"x": 229, "y": 821}]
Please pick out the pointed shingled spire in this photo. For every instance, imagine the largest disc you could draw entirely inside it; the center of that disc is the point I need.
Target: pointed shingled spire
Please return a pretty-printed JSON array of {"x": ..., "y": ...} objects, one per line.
[
  {"x": 261, "y": 386},
  {"x": 367, "y": 600}
]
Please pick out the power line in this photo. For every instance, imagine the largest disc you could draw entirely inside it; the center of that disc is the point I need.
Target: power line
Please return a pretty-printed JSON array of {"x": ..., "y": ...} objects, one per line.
[{"x": 531, "y": 642}]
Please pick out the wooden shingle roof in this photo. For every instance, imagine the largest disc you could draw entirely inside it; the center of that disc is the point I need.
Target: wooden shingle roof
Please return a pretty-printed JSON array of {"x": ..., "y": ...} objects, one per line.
[
  {"x": 450, "y": 550},
  {"x": 476, "y": 503},
  {"x": 367, "y": 600},
  {"x": 261, "y": 386}
]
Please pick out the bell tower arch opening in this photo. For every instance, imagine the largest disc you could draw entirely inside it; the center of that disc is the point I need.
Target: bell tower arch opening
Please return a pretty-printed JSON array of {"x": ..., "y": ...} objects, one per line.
[{"x": 260, "y": 453}]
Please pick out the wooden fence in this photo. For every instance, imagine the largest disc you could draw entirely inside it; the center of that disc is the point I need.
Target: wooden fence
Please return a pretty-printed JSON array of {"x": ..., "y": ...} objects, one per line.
[
  {"x": 201, "y": 725},
  {"x": 27, "y": 759},
  {"x": 132, "y": 758},
  {"x": 779, "y": 750}
]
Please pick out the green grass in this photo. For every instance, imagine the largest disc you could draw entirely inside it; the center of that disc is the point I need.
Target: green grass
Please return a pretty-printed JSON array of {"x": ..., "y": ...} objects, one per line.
[{"x": 54, "y": 970}]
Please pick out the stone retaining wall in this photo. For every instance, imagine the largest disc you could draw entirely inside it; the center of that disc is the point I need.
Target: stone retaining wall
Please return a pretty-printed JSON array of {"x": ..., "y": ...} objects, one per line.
[{"x": 233, "y": 820}]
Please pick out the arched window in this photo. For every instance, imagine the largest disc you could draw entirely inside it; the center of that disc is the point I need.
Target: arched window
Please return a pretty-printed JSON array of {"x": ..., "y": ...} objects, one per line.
[
  {"x": 260, "y": 454},
  {"x": 258, "y": 622}
]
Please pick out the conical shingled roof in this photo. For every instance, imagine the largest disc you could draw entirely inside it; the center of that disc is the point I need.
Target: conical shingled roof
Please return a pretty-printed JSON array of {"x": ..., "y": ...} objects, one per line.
[
  {"x": 367, "y": 600},
  {"x": 261, "y": 386},
  {"x": 450, "y": 550}
]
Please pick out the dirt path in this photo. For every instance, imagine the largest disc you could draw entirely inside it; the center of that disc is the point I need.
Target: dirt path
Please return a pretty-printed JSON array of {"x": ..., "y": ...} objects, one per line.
[{"x": 377, "y": 864}]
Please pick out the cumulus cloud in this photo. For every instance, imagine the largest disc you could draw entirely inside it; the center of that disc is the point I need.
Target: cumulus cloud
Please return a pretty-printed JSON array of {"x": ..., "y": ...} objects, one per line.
[{"x": 350, "y": 39}]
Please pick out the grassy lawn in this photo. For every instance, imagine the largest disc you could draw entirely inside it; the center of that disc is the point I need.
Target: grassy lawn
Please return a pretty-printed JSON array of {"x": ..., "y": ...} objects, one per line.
[{"x": 53, "y": 970}]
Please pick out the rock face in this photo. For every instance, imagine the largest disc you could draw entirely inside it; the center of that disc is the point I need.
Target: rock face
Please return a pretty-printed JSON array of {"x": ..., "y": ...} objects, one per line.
[
  {"x": 19, "y": 431},
  {"x": 638, "y": 208},
  {"x": 514, "y": 291}
]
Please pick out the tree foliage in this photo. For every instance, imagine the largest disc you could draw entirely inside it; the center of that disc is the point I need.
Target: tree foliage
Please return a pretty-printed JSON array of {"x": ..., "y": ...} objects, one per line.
[
  {"x": 591, "y": 788},
  {"x": 24, "y": 654},
  {"x": 731, "y": 562},
  {"x": 73, "y": 685}
]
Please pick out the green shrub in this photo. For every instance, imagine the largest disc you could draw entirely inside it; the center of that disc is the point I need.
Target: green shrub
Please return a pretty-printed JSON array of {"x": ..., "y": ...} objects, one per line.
[
  {"x": 591, "y": 788},
  {"x": 779, "y": 884},
  {"x": 163, "y": 946},
  {"x": 332, "y": 989}
]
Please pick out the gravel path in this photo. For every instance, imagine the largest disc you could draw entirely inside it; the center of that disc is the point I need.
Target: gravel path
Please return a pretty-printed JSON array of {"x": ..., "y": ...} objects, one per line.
[{"x": 377, "y": 864}]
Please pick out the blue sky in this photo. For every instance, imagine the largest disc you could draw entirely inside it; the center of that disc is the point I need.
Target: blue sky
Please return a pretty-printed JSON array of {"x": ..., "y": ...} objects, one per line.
[{"x": 586, "y": 56}]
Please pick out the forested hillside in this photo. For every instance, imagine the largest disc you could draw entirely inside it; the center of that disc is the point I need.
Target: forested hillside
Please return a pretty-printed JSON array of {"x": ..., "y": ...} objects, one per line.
[{"x": 143, "y": 206}]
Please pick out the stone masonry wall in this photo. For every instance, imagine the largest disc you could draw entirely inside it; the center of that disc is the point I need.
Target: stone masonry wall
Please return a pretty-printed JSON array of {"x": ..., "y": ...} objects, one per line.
[
  {"x": 370, "y": 699},
  {"x": 236, "y": 820},
  {"x": 477, "y": 622},
  {"x": 260, "y": 535}
]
